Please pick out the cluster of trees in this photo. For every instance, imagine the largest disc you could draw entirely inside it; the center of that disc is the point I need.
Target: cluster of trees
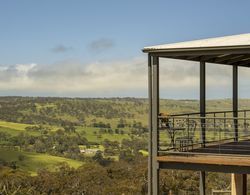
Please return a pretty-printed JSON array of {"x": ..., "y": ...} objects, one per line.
[
  {"x": 88, "y": 179},
  {"x": 135, "y": 129},
  {"x": 55, "y": 143},
  {"x": 53, "y": 111},
  {"x": 59, "y": 143},
  {"x": 116, "y": 177},
  {"x": 111, "y": 131},
  {"x": 127, "y": 150},
  {"x": 101, "y": 125}
]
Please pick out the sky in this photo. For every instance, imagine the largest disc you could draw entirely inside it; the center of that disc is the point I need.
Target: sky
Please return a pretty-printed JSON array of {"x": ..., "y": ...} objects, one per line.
[{"x": 92, "y": 48}]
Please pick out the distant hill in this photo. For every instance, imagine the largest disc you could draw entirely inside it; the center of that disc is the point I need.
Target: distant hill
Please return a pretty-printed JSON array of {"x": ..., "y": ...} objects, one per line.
[{"x": 80, "y": 111}]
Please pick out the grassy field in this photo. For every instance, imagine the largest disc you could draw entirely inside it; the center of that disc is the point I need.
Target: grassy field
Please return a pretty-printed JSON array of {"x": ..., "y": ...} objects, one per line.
[
  {"x": 91, "y": 132},
  {"x": 92, "y": 135},
  {"x": 16, "y": 126},
  {"x": 32, "y": 162}
]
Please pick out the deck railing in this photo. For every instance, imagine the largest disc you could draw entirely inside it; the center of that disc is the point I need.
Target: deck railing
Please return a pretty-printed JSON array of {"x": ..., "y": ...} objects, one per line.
[{"x": 183, "y": 132}]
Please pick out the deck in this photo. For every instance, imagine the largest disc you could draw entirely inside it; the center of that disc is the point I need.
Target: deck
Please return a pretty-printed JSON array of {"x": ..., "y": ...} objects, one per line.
[
  {"x": 230, "y": 157},
  {"x": 240, "y": 148}
]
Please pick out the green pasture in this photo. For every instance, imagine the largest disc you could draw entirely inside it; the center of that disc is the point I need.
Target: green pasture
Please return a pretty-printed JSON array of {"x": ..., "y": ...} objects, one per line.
[
  {"x": 91, "y": 136},
  {"x": 15, "y": 132},
  {"x": 32, "y": 162},
  {"x": 16, "y": 126}
]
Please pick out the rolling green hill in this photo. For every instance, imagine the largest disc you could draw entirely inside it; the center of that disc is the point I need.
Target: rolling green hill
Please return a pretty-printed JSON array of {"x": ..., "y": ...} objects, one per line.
[
  {"x": 32, "y": 162},
  {"x": 59, "y": 126}
]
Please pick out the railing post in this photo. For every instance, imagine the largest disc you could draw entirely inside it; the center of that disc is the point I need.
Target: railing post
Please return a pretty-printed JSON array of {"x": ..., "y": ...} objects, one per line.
[
  {"x": 225, "y": 121},
  {"x": 214, "y": 124},
  {"x": 203, "y": 101},
  {"x": 235, "y": 101},
  {"x": 214, "y": 120},
  {"x": 245, "y": 121}
]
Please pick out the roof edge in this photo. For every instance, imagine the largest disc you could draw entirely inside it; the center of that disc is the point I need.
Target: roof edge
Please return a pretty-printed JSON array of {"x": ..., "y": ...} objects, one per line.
[{"x": 151, "y": 50}]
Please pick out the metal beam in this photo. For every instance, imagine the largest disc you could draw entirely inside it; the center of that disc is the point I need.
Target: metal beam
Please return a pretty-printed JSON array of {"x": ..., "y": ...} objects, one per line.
[
  {"x": 246, "y": 66},
  {"x": 155, "y": 135},
  {"x": 205, "y": 167},
  {"x": 200, "y": 52},
  {"x": 203, "y": 121},
  {"x": 244, "y": 62},
  {"x": 193, "y": 58},
  {"x": 150, "y": 157},
  {"x": 207, "y": 58},
  {"x": 235, "y": 101}
]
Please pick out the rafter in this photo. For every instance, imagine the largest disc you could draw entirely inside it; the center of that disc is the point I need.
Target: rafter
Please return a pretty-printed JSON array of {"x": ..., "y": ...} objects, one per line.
[
  {"x": 244, "y": 62},
  {"x": 193, "y": 57},
  {"x": 237, "y": 59},
  {"x": 208, "y": 58},
  {"x": 223, "y": 58}
]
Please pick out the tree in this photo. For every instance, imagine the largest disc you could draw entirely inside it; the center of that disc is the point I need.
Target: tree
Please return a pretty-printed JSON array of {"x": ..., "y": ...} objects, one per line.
[
  {"x": 116, "y": 131},
  {"x": 39, "y": 146},
  {"x": 98, "y": 157},
  {"x": 21, "y": 157}
]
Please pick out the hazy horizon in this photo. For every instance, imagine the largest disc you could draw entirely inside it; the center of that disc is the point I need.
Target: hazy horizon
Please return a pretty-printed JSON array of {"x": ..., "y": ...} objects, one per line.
[{"x": 117, "y": 97}]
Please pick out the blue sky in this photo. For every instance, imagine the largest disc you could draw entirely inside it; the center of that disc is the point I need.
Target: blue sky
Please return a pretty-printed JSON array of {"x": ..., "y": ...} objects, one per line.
[{"x": 84, "y": 38}]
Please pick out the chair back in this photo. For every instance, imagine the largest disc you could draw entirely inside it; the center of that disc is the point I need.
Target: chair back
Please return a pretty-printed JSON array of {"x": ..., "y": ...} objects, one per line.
[{"x": 191, "y": 127}]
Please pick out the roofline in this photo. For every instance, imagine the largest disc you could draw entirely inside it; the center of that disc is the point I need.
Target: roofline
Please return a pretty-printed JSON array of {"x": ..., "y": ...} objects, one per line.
[{"x": 190, "y": 49}]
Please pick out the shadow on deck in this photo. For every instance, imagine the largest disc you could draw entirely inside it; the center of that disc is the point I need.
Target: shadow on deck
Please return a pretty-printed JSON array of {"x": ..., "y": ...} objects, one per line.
[
  {"x": 241, "y": 148},
  {"x": 230, "y": 157}
]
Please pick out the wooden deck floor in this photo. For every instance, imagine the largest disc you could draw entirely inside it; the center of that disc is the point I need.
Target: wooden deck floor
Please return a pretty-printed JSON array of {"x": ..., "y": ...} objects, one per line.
[
  {"x": 240, "y": 148},
  {"x": 207, "y": 159},
  {"x": 224, "y": 154}
]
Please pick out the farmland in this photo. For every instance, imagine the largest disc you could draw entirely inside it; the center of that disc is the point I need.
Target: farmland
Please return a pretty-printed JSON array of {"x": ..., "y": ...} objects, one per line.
[
  {"x": 53, "y": 136},
  {"x": 33, "y": 162}
]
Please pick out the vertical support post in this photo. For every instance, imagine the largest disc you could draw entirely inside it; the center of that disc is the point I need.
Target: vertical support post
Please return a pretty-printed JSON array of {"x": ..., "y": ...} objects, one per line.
[
  {"x": 203, "y": 101},
  {"x": 150, "y": 157},
  {"x": 235, "y": 101},
  {"x": 203, "y": 120},
  {"x": 202, "y": 183},
  {"x": 244, "y": 184},
  {"x": 239, "y": 181},
  {"x": 155, "y": 133},
  {"x": 239, "y": 184}
]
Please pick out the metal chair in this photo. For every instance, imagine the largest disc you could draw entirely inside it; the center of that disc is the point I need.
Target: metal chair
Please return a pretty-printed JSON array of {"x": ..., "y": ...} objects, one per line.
[{"x": 187, "y": 140}]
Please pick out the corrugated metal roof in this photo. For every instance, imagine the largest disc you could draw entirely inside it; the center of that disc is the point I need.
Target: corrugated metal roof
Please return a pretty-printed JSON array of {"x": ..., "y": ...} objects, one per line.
[{"x": 226, "y": 41}]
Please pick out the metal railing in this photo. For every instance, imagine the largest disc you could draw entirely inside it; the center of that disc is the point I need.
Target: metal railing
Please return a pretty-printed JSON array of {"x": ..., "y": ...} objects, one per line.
[{"x": 224, "y": 133}]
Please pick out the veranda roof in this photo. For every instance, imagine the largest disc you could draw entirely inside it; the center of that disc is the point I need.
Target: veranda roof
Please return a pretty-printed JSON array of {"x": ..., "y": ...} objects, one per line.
[{"x": 231, "y": 50}]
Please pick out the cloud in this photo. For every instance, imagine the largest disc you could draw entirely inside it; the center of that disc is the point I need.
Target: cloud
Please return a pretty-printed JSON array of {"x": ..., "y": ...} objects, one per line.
[
  {"x": 61, "y": 49},
  {"x": 180, "y": 73},
  {"x": 178, "y": 79},
  {"x": 101, "y": 45}
]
